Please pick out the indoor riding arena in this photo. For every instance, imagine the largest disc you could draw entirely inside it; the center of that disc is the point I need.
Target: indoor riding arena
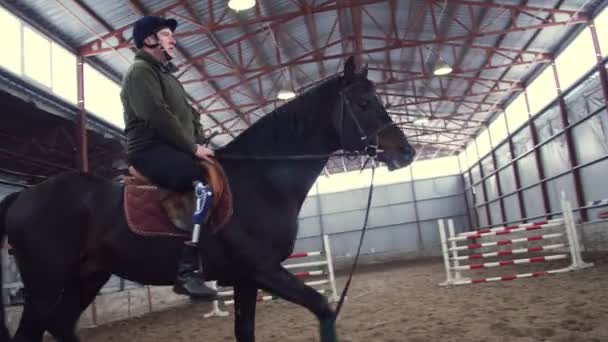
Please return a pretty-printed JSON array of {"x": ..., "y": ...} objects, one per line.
[{"x": 496, "y": 229}]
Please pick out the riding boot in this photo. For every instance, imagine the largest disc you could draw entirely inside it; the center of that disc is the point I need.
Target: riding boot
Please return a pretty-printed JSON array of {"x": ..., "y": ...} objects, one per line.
[{"x": 189, "y": 281}]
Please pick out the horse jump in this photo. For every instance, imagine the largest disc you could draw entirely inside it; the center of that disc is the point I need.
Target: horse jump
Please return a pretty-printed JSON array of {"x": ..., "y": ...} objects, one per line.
[
  {"x": 327, "y": 269},
  {"x": 452, "y": 258}
]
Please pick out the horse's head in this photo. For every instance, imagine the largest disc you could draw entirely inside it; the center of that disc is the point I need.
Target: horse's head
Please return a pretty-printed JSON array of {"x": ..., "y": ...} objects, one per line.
[{"x": 363, "y": 123}]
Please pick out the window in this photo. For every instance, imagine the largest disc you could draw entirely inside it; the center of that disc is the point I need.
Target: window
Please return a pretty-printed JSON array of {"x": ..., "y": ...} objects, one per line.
[
  {"x": 517, "y": 113},
  {"x": 351, "y": 180},
  {"x": 483, "y": 143},
  {"x": 576, "y": 59},
  {"x": 36, "y": 56},
  {"x": 601, "y": 26},
  {"x": 433, "y": 168},
  {"x": 384, "y": 176},
  {"x": 102, "y": 97},
  {"x": 64, "y": 73},
  {"x": 472, "y": 156},
  {"x": 345, "y": 181},
  {"x": 498, "y": 129},
  {"x": 464, "y": 164},
  {"x": 542, "y": 90},
  {"x": 10, "y": 58}
]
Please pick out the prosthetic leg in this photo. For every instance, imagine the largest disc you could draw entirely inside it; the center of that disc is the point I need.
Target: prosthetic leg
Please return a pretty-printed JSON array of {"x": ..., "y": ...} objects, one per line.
[{"x": 189, "y": 280}]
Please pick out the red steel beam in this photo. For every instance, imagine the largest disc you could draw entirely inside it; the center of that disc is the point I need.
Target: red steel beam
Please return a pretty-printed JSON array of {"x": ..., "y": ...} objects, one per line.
[
  {"x": 313, "y": 36},
  {"x": 400, "y": 44},
  {"x": 440, "y": 116},
  {"x": 104, "y": 41},
  {"x": 496, "y": 83},
  {"x": 506, "y": 7},
  {"x": 266, "y": 70},
  {"x": 344, "y": 36},
  {"x": 318, "y": 55},
  {"x": 309, "y": 58},
  {"x": 485, "y": 48},
  {"x": 226, "y": 99},
  {"x": 356, "y": 18},
  {"x": 98, "y": 46},
  {"x": 215, "y": 26},
  {"x": 393, "y": 33},
  {"x": 244, "y": 106},
  {"x": 212, "y": 37},
  {"x": 81, "y": 119},
  {"x": 450, "y": 98}
]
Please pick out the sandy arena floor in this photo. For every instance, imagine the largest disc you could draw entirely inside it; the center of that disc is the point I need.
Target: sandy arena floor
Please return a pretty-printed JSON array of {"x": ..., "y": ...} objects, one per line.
[{"x": 402, "y": 302}]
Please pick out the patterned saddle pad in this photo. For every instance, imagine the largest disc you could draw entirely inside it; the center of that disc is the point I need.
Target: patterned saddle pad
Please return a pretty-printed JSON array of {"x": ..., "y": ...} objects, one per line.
[{"x": 153, "y": 211}]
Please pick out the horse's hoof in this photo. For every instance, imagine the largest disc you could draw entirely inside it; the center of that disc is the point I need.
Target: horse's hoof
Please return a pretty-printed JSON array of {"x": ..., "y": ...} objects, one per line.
[{"x": 328, "y": 330}]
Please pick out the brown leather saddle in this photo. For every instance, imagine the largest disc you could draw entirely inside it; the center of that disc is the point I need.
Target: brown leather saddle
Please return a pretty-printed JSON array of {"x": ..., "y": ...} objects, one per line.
[{"x": 151, "y": 210}]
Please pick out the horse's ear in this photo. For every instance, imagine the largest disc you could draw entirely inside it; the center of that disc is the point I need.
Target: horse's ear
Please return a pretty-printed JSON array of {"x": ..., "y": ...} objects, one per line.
[
  {"x": 349, "y": 68},
  {"x": 364, "y": 71}
]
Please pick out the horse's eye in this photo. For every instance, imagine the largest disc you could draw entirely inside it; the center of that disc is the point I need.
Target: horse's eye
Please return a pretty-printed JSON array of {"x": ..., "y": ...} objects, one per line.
[{"x": 363, "y": 103}]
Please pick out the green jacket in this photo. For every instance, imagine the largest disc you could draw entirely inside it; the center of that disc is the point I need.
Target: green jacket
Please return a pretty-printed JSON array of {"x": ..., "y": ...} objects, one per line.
[{"x": 156, "y": 107}]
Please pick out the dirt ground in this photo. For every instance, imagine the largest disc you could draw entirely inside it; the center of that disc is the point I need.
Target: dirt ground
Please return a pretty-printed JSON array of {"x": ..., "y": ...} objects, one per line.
[{"x": 402, "y": 302}]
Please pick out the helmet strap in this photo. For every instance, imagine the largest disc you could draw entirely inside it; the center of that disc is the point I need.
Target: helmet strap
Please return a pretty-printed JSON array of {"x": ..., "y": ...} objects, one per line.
[{"x": 157, "y": 45}]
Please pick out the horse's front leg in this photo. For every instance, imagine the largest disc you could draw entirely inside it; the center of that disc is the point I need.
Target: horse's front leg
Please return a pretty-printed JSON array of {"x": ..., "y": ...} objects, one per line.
[
  {"x": 245, "y": 299},
  {"x": 287, "y": 286}
]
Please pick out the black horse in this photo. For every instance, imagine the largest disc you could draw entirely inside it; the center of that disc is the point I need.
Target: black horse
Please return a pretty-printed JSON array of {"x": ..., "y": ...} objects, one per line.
[{"x": 69, "y": 233}]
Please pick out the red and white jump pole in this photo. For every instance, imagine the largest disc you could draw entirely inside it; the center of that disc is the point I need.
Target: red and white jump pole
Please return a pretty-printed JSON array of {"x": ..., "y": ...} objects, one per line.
[
  {"x": 450, "y": 248},
  {"x": 327, "y": 270}
]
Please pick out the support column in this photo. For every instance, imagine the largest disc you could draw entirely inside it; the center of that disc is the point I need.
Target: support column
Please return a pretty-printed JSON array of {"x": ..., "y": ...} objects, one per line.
[
  {"x": 464, "y": 193},
  {"x": 81, "y": 119},
  {"x": 483, "y": 185},
  {"x": 517, "y": 179},
  {"x": 539, "y": 163},
  {"x": 572, "y": 157},
  {"x": 474, "y": 206},
  {"x": 320, "y": 214},
  {"x": 420, "y": 241},
  {"x": 496, "y": 175},
  {"x": 598, "y": 56}
]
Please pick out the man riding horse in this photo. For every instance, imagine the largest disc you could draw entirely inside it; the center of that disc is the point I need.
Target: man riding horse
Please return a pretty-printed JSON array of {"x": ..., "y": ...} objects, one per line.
[{"x": 163, "y": 131}]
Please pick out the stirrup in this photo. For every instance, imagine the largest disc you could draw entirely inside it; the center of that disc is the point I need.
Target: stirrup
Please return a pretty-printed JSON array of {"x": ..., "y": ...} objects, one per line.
[{"x": 203, "y": 203}]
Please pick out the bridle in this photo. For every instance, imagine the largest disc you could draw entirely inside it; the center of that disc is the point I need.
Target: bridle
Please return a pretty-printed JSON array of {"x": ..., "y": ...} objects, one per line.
[{"x": 370, "y": 140}]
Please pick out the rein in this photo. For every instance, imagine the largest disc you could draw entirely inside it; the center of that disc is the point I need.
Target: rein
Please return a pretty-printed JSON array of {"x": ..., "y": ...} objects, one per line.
[{"x": 363, "y": 229}]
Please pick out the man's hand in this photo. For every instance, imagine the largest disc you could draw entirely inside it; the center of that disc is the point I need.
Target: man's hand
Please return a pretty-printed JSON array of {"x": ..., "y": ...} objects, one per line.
[{"x": 203, "y": 152}]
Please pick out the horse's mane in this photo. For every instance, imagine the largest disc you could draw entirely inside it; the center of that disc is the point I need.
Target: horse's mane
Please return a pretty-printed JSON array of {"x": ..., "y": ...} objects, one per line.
[{"x": 277, "y": 129}]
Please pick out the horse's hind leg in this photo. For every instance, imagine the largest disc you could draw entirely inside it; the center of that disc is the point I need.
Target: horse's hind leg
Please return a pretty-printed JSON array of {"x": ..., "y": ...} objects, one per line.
[
  {"x": 287, "y": 286},
  {"x": 42, "y": 281},
  {"x": 78, "y": 294},
  {"x": 245, "y": 300},
  {"x": 31, "y": 329}
]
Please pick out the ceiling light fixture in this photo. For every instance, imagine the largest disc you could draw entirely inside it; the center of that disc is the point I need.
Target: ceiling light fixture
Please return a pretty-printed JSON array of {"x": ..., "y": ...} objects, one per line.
[
  {"x": 241, "y": 5},
  {"x": 286, "y": 91},
  {"x": 442, "y": 68},
  {"x": 286, "y": 94},
  {"x": 421, "y": 122}
]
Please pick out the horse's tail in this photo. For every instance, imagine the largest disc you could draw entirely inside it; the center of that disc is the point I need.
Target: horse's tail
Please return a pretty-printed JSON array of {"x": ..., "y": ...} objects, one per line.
[{"x": 4, "y": 204}]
